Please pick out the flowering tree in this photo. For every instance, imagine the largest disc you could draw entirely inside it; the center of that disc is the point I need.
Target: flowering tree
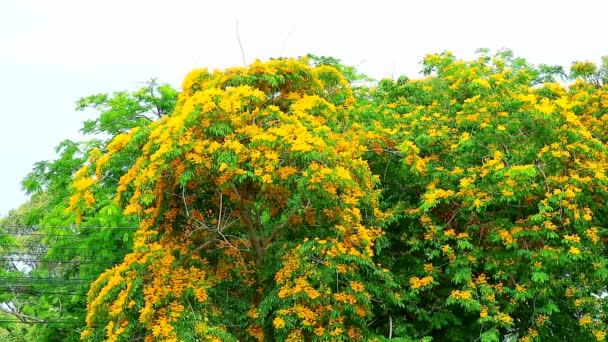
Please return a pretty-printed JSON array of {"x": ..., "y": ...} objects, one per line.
[
  {"x": 276, "y": 203},
  {"x": 257, "y": 212},
  {"x": 497, "y": 175}
]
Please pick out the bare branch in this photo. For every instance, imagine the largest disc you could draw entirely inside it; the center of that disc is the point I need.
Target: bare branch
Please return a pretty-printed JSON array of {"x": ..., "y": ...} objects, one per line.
[
  {"x": 384, "y": 150},
  {"x": 238, "y": 38},
  {"x": 22, "y": 317}
]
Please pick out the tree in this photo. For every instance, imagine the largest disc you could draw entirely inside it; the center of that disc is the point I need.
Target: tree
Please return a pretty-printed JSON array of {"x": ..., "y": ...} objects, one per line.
[
  {"x": 62, "y": 253},
  {"x": 230, "y": 188},
  {"x": 286, "y": 200},
  {"x": 499, "y": 184}
]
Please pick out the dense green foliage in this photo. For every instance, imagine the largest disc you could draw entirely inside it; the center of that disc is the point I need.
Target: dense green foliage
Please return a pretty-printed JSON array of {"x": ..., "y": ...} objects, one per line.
[
  {"x": 296, "y": 200},
  {"x": 62, "y": 258}
]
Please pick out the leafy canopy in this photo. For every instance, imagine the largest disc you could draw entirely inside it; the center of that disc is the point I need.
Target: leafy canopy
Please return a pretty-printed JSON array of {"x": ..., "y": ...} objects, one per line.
[{"x": 286, "y": 200}]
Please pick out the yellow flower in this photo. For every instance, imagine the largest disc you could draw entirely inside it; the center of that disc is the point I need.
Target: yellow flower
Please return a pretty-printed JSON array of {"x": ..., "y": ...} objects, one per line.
[
  {"x": 312, "y": 293},
  {"x": 503, "y": 317},
  {"x": 585, "y": 320},
  {"x": 84, "y": 334},
  {"x": 587, "y": 217},
  {"x": 507, "y": 193},
  {"x": 457, "y": 294},
  {"x": 416, "y": 282},
  {"x": 253, "y": 313},
  {"x": 336, "y": 332},
  {"x": 356, "y": 286},
  {"x": 574, "y": 238},
  {"x": 83, "y": 183},
  {"x": 466, "y": 181},
  {"x": 592, "y": 234},
  {"x": 541, "y": 319},
  {"x": 278, "y": 323},
  {"x": 89, "y": 199}
]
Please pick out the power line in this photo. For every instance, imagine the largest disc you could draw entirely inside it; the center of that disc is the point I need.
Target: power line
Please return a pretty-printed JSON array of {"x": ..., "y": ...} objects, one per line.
[
  {"x": 32, "y": 286},
  {"x": 26, "y": 285},
  {"x": 70, "y": 239},
  {"x": 16, "y": 321},
  {"x": 68, "y": 256},
  {"x": 75, "y": 234},
  {"x": 42, "y": 293},
  {"x": 66, "y": 247},
  {"x": 37, "y": 226},
  {"x": 39, "y": 261},
  {"x": 44, "y": 253},
  {"x": 33, "y": 281},
  {"x": 50, "y": 279}
]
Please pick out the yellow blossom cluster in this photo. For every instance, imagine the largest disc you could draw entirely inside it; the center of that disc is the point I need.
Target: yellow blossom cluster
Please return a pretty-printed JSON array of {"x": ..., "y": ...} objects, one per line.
[
  {"x": 270, "y": 188},
  {"x": 457, "y": 294},
  {"x": 416, "y": 282}
]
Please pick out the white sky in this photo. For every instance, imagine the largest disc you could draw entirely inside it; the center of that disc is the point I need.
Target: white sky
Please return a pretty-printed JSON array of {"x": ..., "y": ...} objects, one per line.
[{"x": 54, "y": 52}]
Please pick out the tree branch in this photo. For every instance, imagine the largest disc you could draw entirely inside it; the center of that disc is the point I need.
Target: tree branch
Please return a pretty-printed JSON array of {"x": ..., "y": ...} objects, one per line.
[
  {"x": 23, "y": 317},
  {"x": 238, "y": 38}
]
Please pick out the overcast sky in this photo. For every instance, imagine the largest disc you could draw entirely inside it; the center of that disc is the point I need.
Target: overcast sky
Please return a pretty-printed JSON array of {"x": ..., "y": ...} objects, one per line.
[{"x": 54, "y": 52}]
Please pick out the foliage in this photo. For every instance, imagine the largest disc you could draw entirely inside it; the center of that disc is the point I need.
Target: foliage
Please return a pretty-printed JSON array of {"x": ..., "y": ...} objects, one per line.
[
  {"x": 229, "y": 188},
  {"x": 125, "y": 110},
  {"x": 259, "y": 205},
  {"x": 499, "y": 185},
  {"x": 287, "y": 200},
  {"x": 59, "y": 253}
]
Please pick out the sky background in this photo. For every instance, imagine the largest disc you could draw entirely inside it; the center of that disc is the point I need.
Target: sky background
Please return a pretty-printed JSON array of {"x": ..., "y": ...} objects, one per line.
[{"x": 54, "y": 52}]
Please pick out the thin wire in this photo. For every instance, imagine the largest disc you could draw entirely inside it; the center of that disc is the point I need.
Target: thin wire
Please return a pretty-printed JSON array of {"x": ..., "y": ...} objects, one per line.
[
  {"x": 38, "y": 293},
  {"x": 71, "y": 248},
  {"x": 50, "y": 279},
  {"x": 37, "y": 322},
  {"x": 38, "y": 261},
  {"x": 25, "y": 284},
  {"x": 43, "y": 253},
  {"x": 29, "y": 281},
  {"x": 32, "y": 287},
  {"x": 36, "y": 226},
  {"x": 75, "y": 234},
  {"x": 65, "y": 237},
  {"x": 19, "y": 285}
]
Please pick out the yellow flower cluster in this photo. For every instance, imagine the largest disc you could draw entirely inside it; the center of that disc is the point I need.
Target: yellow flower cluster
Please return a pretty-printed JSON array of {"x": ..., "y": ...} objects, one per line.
[
  {"x": 504, "y": 318},
  {"x": 301, "y": 285},
  {"x": 345, "y": 298},
  {"x": 416, "y": 282},
  {"x": 278, "y": 323},
  {"x": 458, "y": 294}
]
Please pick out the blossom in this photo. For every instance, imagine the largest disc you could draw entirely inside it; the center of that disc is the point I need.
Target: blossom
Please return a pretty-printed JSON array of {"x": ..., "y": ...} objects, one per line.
[
  {"x": 416, "y": 282},
  {"x": 357, "y": 286},
  {"x": 278, "y": 323},
  {"x": 457, "y": 294}
]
